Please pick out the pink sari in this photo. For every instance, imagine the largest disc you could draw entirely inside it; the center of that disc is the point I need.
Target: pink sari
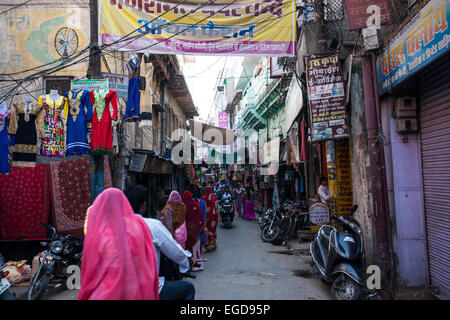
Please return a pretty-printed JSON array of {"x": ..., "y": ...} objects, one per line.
[
  {"x": 119, "y": 260},
  {"x": 181, "y": 235}
]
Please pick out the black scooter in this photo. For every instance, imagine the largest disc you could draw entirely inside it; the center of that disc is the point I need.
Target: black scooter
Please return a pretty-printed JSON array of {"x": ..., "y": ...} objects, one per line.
[
  {"x": 226, "y": 212},
  {"x": 337, "y": 257}
]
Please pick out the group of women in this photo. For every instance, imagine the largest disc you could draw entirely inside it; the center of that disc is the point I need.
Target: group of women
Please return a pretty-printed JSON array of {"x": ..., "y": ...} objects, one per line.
[{"x": 192, "y": 220}]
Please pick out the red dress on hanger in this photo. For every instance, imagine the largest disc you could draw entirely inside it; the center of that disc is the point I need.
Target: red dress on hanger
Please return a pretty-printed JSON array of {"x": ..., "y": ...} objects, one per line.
[{"x": 102, "y": 138}]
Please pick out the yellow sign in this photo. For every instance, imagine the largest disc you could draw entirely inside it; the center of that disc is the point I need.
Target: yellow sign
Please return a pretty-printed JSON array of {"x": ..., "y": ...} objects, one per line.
[{"x": 225, "y": 27}]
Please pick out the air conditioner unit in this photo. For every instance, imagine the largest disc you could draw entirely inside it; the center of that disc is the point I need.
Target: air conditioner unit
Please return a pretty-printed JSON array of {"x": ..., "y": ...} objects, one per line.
[{"x": 406, "y": 115}]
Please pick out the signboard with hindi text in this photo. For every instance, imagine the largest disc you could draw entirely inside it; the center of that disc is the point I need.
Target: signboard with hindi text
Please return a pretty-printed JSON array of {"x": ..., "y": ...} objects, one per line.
[
  {"x": 425, "y": 38},
  {"x": 327, "y": 99},
  {"x": 225, "y": 27},
  {"x": 90, "y": 84},
  {"x": 359, "y": 12}
]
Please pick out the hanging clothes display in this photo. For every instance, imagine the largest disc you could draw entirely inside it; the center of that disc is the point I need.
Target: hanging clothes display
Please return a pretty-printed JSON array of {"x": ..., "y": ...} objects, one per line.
[
  {"x": 24, "y": 117},
  {"x": 6, "y": 141},
  {"x": 80, "y": 112},
  {"x": 102, "y": 139},
  {"x": 134, "y": 96},
  {"x": 53, "y": 141}
]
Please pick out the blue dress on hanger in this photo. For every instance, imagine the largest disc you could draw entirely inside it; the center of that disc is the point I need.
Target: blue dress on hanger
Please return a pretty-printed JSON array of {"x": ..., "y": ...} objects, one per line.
[
  {"x": 134, "y": 96},
  {"x": 80, "y": 112},
  {"x": 6, "y": 141}
]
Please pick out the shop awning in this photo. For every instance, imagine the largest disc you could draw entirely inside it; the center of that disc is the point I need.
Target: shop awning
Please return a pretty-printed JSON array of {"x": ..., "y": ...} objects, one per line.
[
  {"x": 195, "y": 126},
  {"x": 294, "y": 104}
]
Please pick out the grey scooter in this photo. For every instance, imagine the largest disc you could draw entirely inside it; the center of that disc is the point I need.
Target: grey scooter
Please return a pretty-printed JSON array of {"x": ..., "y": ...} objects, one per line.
[{"x": 337, "y": 257}]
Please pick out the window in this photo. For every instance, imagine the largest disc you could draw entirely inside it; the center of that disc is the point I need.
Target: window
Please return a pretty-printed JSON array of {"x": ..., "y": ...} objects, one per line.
[{"x": 62, "y": 84}]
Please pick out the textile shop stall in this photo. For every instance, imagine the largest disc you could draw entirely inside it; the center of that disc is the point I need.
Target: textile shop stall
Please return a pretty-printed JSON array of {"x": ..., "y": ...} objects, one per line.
[{"x": 45, "y": 168}]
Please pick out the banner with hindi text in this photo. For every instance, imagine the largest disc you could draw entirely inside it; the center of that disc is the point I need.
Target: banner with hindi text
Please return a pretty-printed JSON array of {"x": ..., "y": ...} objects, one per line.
[{"x": 223, "y": 27}]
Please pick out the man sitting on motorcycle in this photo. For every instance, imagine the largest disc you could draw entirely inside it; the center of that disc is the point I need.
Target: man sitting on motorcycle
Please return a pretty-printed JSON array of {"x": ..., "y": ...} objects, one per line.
[
  {"x": 166, "y": 244},
  {"x": 227, "y": 194}
]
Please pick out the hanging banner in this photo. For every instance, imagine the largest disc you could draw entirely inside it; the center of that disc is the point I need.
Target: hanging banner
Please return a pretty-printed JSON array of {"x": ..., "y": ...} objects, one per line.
[
  {"x": 360, "y": 12},
  {"x": 425, "y": 38},
  {"x": 327, "y": 99},
  {"x": 225, "y": 27},
  {"x": 90, "y": 84}
]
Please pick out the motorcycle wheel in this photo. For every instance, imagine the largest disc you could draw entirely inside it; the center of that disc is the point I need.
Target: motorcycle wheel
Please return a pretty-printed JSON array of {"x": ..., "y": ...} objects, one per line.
[
  {"x": 345, "y": 288},
  {"x": 269, "y": 234},
  {"x": 39, "y": 284}
]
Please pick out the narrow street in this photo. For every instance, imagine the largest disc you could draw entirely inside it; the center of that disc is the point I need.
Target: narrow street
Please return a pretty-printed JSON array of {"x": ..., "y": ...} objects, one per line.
[{"x": 244, "y": 267}]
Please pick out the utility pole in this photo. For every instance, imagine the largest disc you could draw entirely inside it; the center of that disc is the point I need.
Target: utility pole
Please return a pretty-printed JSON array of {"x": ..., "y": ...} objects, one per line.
[
  {"x": 330, "y": 145},
  {"x": 94, "y": 72}
]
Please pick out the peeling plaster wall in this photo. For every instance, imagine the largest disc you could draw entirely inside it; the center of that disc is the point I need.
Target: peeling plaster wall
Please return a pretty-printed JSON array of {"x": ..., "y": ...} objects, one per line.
[{"x": 361, "y": 162}]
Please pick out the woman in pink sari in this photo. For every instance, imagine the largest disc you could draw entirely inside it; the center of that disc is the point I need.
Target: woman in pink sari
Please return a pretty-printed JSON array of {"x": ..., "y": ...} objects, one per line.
[
  {"x": 249, "y": 207},
  {"x": 119, "y": 260}
]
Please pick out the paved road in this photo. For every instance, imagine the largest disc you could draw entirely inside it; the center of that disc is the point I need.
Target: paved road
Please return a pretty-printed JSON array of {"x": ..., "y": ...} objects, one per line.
[{"x": 242, "y": 267}]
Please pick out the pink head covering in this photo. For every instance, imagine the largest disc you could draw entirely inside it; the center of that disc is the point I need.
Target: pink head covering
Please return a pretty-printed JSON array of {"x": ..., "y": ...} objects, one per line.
[
  {"x": 119, "y": 260},
  {"x": 174, "y": 196}
]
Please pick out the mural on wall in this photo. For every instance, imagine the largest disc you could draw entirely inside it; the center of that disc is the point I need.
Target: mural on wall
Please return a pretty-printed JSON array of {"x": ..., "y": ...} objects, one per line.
[{"x": 30, "y": 38}]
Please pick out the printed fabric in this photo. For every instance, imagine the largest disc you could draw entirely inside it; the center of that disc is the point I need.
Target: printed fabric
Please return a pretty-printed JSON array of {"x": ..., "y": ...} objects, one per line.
[
  {"x": 102, "y": 137},
  {"x": 24, "y": 203},
  {"x": 6, "y": 142},
  {"x": 53, "y": 141},
  {"x": 80, "y": 112},
  {"x": 71, "y": 193},
  {"x": 25, "y": 117}
]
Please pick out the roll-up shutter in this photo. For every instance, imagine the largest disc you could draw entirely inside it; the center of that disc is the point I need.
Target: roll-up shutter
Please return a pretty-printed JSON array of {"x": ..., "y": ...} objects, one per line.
[{"x": 435, "y": 139}]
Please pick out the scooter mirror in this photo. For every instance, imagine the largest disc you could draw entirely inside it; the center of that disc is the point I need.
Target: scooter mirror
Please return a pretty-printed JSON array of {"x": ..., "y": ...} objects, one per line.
[{"x": 353, "y": 209}]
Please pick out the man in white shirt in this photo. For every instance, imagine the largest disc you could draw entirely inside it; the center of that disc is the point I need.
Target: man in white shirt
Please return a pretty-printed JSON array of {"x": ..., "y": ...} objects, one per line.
[
  {"x": 165, "y": 243},
  {"x": 324, "y": 191}
]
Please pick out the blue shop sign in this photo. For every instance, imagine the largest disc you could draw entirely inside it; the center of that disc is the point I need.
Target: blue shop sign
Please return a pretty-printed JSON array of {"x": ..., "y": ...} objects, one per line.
[{"x": 419, "y": 43}]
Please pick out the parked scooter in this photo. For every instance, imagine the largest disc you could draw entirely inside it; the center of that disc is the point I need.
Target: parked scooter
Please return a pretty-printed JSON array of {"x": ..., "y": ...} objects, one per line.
[
  {"x": 61, "y": 252},
  {"x": 337, "y": 257}
]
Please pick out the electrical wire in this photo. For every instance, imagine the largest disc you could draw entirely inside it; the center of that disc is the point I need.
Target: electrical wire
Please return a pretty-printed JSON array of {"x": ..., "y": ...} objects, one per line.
[
  {"x": 124, "y": 39},
  {"x": 16, "y": 6}
]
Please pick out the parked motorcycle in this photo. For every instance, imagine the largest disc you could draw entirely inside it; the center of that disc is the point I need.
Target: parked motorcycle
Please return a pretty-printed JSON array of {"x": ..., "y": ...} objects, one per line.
[
  {"x": 278, "y": 225},
  {"x": 61, "y": 253},
  {"x": 337, "y": 257},
  {"x": 270, "y": 225},
  {"x": 226, "y": 212}
]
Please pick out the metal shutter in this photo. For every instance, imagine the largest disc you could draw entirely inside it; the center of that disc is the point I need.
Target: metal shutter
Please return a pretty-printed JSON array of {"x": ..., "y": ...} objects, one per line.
[{"x": 435, "y": 139}]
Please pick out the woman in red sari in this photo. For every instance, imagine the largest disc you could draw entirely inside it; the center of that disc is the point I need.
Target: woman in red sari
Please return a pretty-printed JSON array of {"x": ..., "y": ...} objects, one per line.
[
  {"x": 194, "y": 220},
  {"x": 211, "y": 218},
  {"x": 119, "y": 260}
]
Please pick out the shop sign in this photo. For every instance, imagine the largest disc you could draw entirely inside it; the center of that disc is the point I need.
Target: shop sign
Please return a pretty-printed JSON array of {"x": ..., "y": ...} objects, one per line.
[
  {"x": 318, "y": 215},
  {"x": 344, "y": 177},
  {"x": 327, "y": 99},
  {"x": 425, "y": 38},
  {"x": 360, "y": 11},
  {"x": 245, "y": 27},
  {"x": 138, "y": 162},
  {"x": 118, "y": 83},
  {"x": 90, "y": 84}
]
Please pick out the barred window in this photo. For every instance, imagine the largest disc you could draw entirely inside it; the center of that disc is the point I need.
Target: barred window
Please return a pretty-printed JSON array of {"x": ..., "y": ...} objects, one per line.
[
  {"x": 62, "y": 84},
  {"x": 333, "y": 10}
]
